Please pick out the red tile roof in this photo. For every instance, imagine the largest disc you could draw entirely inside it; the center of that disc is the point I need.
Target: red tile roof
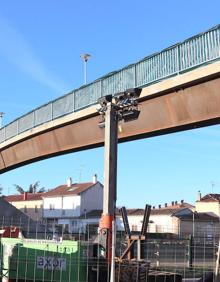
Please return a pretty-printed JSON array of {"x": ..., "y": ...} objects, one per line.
[
  {"x": 20, "y": 197},
  {"x": 133, "y": 212},
  {"x": 64, "y": 190},
  {"x": 210, "y": 198},
  {"x": 171, "y": 209}
]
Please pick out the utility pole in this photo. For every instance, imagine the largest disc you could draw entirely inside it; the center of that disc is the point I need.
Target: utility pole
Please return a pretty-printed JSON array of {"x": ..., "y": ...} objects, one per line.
[{"x": 121, "y": 107}]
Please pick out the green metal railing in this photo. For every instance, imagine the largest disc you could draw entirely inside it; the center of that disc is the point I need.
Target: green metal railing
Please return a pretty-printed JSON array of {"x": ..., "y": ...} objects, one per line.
[{"x": 193, "y": 52}]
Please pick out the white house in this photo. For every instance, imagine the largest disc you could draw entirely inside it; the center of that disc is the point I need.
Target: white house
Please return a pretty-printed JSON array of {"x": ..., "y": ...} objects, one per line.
[
  {"x": 135, "y": 219},
  {"x": 178, "y": 219},
  {"x": 66, "y": 203},
  {"x": 209, "y": 203},
  {"x": 163, "y": 219}
]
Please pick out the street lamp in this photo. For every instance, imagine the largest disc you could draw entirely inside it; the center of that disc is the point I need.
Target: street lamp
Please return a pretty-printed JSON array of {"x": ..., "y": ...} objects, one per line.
[
  {"x": 85, "y": 58},
  {"x": 1, "y": 117}
]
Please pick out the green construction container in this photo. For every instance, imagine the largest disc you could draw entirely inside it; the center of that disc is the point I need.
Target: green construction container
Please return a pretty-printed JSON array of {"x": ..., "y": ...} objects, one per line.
[{"x": 43, "y": 260}]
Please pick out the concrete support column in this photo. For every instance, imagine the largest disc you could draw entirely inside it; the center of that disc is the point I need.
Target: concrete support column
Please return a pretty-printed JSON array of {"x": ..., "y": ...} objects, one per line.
[{"x": 110, "y": 165}]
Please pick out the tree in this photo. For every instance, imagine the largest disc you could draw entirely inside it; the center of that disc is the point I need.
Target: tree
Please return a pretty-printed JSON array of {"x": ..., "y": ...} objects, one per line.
[
  {"x": 33, "y": 188},
  {"x": 1, "y": 188}
]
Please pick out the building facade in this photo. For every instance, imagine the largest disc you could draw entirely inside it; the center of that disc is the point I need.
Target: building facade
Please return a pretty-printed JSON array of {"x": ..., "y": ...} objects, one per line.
[
  {"x": 29, "y": 203},
  {"x": 209, "y": 203},
  {"x": 178, "y": 219},
  {"x": 66, "y": 204}
]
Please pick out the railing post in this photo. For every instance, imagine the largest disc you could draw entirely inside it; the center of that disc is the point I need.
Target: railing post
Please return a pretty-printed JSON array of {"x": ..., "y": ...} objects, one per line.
[
  {"x": 135, "y": 75},
  {"x": 51, "y": 111},
  {"x": 17, "y": 123},
  {"x": 33, "y": 123},
  {"x": 73, "y": 101},
  {"x": 178, "y": 60},
  {"x": 5, "y": 133}
]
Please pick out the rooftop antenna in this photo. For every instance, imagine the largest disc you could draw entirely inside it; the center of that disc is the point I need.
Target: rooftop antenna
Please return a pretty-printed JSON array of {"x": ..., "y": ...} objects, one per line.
[
  {"x": 212, "y": 184},
  {"x": 85, "y": 58},
  {"x": 1, "y": 118},
  {"x": 80, "y": 170}
]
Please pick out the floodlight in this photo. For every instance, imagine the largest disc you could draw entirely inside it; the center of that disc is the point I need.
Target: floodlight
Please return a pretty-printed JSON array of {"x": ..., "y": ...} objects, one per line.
[
  {"x": 102, "y": 124},
  {"x": 120, "y": 97},
  {"x": 133, "y": 92},
  {"x": 103, "y": 101},
  {"x": 129, "y": 115}
]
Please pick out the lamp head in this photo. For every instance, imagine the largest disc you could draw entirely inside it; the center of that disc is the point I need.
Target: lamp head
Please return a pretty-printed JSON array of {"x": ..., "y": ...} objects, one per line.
[
  {"x": 130, "y": 115},
  {"x": 133, "y": 93},
  {"x": 85, "y": 57},
  {"x": 103, "y": 101},
  {"x": 120, "y": 97}
]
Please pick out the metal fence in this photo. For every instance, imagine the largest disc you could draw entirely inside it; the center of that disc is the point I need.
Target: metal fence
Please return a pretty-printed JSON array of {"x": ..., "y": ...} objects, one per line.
[
  {"x": 193, "y": 52},
  {"x": 48, "y": 252}
]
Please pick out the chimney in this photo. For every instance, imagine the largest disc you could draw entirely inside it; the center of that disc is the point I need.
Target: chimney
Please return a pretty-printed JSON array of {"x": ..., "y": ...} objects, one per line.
[
  {"x": 172, "y": 203},
  {"x": 25, "y": 196},
  {"x": 159, "y": 206},
  {"x": 69, "y": 182},
  {"x": 94, "y": 179},
  {"x": 165, "y": 205},
  {"x": 199, "y": 196},
  {"x": 182, "y": 201}
]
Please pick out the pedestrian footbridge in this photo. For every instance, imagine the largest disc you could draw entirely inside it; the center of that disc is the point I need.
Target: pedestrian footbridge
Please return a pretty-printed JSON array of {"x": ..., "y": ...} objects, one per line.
[{"x": 181, "y": 90}]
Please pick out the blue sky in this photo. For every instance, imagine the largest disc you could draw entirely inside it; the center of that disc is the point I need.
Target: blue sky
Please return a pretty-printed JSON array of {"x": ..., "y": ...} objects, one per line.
[{"x": 40, "y": 47}]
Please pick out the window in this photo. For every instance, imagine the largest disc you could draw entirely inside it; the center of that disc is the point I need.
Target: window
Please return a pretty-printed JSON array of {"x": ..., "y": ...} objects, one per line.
[
  {"x": 74, "y": 223},
  {"x": 134, "y": 227},
  {"x": 25, "y": 209},
  {"x": 36, "y": 209},
  {"x": 51, "y": 206}
]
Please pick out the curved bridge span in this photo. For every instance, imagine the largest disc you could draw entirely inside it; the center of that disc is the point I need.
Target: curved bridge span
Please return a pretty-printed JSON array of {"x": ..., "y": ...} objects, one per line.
[{"x": 181, "y": 90}]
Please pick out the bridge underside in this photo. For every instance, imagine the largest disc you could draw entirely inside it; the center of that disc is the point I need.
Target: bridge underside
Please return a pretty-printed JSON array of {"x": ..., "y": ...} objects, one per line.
[{"x": 190, "y": 107}]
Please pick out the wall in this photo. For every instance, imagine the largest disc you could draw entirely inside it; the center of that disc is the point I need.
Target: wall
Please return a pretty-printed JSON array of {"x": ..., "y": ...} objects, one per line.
[
  {"x": 164, "y": 223},
  {"x": 35, "y": 214},
  {"x": 160, "y": 224},
  {"x": 92, "y": 199},
  {"x": 210, "y": 207},
  {"x": 66, "y": 206},
  {"x": 135, "y": 222},
  {"x": 71, "y": 206}
]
